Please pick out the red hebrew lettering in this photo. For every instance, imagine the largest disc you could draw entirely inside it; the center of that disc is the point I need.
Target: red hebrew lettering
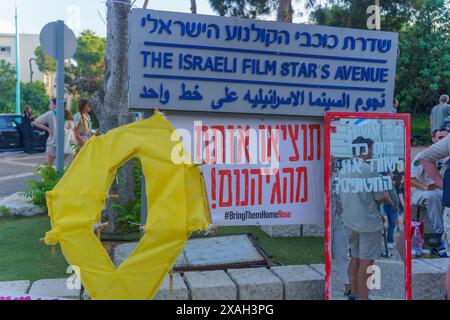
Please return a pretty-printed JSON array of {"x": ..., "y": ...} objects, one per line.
[
  {"x": 208, "y": 150},
  {"x": 302, "y": 176},
  {"x": 259, "y": 191},
  {"x": 243, "y": 143},
  {"x": 291, "y": 183},
  {"x": 225, "y": 174},
  {"x": 215, "y": 130},
  {"x": 312, "y": 128},
  {"x": 230, "y": 130},
  {"x": 246, "y": 181},
  {"x": 237, "y": 174},
  {"x": 276, "y": 189},
  {"x": 293, "y": 135},
  {"x": 262, "y": 139},
  {"x": 305, "y": 141}
]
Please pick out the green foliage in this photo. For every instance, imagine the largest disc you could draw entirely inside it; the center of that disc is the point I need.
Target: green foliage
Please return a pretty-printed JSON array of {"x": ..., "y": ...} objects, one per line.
[
  {"x": 7, "y": 87},
  {"x": 4, "y": 211},
  {"x": 36, "y": 189},
  {"x": 243, "y": 8},
  {"x": 420, "y": 129},
  {"x": 86, "y": 76},
  {"x": 353, "y": 14},
  {"x": 423, "y": 68},
  {"x": 34, "y": 94},
  {"x": 44, "y": 62},
  {"x": 131, "y": 212}
]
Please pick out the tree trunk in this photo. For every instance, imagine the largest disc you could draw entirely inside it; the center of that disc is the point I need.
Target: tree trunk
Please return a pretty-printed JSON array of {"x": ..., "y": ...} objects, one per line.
[
  {"x": 110, "y": 104},
  {"x": 285, "y": 11},
  {"x": 193, "y": 6}
]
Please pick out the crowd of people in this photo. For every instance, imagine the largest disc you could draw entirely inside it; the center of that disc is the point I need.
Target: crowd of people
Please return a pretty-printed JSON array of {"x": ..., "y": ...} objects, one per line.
[{"x": 77, "y": 129}]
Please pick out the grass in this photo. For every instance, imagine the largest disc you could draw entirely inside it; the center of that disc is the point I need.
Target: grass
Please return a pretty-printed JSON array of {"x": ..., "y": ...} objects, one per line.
[{"x": 23, "y": 257}]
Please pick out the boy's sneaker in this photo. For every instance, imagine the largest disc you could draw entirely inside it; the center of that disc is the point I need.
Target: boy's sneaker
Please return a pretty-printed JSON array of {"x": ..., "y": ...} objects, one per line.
[{"x": 390, "y": 245}]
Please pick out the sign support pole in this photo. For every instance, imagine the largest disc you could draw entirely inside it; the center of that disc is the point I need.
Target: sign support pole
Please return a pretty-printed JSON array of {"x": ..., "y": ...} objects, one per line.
[
  {"x": 60, "y": 96},
  {"x": 17, "y": 63},
  {"x": 145, "y": 114}
]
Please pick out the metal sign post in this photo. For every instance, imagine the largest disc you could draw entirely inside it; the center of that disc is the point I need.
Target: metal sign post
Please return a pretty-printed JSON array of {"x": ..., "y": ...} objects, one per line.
[
  {"x": 60, "y": 96},
  {"x": 59, "y": 42}
]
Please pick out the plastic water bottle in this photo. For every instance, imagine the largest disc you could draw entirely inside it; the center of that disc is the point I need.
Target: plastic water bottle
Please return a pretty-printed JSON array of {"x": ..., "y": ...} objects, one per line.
[{"x": 417, "y": 242}]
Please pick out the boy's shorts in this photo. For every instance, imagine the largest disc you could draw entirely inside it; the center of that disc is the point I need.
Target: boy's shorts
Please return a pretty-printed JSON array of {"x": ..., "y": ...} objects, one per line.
[
  {"x": 51, "y": 150},
  {"x": 364, "y": 245}
]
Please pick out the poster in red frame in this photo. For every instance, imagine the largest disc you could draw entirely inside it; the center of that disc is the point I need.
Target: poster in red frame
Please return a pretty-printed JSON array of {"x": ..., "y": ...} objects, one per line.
[{"x": 382, "y": 142}]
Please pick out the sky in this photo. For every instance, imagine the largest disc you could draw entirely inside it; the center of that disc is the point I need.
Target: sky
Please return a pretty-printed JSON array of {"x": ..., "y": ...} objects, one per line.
[{"x": 87, "y": 14}]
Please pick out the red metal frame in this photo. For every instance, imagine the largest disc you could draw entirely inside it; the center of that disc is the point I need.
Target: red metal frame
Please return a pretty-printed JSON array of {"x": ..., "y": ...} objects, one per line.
[{"x": 331, "y": 116}]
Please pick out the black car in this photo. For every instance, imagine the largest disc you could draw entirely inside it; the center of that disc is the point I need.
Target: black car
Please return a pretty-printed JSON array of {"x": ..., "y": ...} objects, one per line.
[{"x": 11, "y": 138}]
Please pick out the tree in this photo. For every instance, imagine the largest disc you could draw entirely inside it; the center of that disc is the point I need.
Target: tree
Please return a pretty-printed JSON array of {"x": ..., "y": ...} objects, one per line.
[
  {"x": 353, "y": 13},
  {"x": 7, "y": 87},
  {"x": 423, "y": 68},
  {"x": 45, "y": 63},
  {"x": 34, "y": 94},
  {"x": 110, "y": 102},
  {"x": 285, "y": 11},
  {"x": 86, "y": 76},
  {"x": 243, "y": 8}
]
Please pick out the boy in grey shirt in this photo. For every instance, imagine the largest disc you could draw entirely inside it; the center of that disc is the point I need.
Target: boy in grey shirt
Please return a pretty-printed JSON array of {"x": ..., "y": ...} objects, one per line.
[{"x": 362, "y": 220}]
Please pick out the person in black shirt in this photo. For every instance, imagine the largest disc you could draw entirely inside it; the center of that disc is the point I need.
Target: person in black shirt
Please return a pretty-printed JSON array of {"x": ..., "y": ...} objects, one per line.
[{"x": 26, "y": 129}]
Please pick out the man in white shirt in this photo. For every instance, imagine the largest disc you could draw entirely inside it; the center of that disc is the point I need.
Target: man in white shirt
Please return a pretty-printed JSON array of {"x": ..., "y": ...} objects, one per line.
[
  {"x": 428, "y": 159},
  {"x": 47, "y": 122},
  {"x": 425, "y": 192}
]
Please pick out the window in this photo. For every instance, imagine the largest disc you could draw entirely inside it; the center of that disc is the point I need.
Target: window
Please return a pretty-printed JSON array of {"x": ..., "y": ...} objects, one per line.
[{"x": 5, "y": 51}]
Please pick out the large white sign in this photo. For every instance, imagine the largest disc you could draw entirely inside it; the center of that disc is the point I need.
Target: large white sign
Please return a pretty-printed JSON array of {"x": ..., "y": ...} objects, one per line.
[
  {"x": 196, "y": 62},
  {"x": 258, "y": 171}
]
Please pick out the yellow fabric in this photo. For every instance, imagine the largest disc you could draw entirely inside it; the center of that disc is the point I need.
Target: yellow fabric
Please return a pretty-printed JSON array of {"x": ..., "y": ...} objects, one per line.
[{"x": 177, "y": 205}]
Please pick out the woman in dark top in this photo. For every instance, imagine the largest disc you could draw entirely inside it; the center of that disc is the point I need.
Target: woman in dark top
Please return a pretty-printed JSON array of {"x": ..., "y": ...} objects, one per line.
[{"x": 26, "y": 129}]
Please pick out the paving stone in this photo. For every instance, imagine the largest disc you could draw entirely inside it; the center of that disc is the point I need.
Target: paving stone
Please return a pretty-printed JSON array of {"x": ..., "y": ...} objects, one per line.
[
  {"x": 283, "y": 231},
  {"x": 221, "y": 250},
  {"x": 17, "y": 205},
  {"x": 428, "y": 281},
  {"x": 180, "y": 290},
  {"x": 441, "y": 263},
  {"x": 319, "y": 267},
  {"x": 392, "y": 280},
  {"x": 55, "y": 288},
  {"x": 257, "y": 284},
  {"x": 122, "y": 251},
  {"x": 14, "y": 287},
  {"x": 301, "y": 282},
  {"x": 211, "y": 285}
]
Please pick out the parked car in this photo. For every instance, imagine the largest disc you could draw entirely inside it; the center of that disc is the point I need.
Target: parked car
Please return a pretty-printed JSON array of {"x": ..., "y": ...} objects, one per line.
[{"x": 11, "y": 138}]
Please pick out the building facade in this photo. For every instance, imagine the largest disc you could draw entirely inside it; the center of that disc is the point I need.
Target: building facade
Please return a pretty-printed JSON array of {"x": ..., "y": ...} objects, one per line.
[{"x": 29, "y": 70}]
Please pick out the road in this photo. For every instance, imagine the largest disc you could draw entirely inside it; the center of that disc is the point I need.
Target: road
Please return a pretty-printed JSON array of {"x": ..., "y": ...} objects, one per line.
[{"x": 16, "y": 169}]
